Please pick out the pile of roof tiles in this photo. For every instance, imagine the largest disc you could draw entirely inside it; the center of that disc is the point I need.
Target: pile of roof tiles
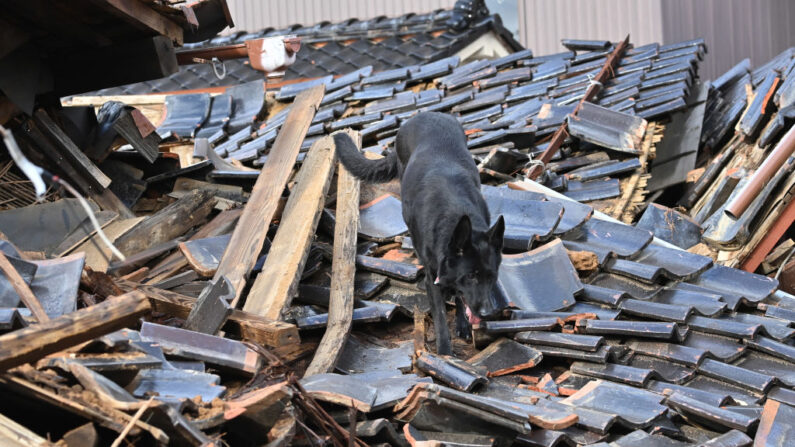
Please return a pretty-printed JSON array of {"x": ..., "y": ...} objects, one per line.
[
  {"x": 611, "y": 334},
  {"x": 506, "y": 105},
  {"x": 748, "y": 113}
]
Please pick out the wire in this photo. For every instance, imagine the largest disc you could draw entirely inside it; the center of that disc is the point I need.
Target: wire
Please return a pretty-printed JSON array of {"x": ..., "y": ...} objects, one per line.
[
  {"x": 784, "y": 262},
  {"x": 37, "y": 175},
  {"x": 31, "y": 171}
]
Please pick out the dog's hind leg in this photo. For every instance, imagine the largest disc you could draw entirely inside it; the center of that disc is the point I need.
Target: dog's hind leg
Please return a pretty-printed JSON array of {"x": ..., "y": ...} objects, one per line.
[
  {"x": 443, "y": 342},
  {"x": 462, "y": 327}
]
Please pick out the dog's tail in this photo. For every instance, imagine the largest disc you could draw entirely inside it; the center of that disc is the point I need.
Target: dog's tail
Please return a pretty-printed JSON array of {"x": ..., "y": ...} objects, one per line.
[{"x": 372, "y": 171}]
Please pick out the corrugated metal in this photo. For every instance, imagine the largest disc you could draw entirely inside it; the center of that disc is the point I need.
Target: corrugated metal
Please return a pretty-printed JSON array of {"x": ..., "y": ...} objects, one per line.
[
  {"x": 257, "y": 14},
  {"x": 733, "y": 29},
  {"x": 543, "y": 23}
]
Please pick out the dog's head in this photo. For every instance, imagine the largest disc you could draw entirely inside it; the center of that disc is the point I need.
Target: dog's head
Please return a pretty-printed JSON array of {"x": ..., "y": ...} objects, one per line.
[{"x": 470, "y": 266}]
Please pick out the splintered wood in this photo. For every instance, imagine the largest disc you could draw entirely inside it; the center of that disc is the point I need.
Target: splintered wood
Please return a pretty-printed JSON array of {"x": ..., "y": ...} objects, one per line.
[
  {"x": 249, "y": 235},
  {"x": 633, "y": 191},
  {"x": 343, "y": 268},
  {"x": 34, "y": 342},
  {"x": 276, "y": 284}
]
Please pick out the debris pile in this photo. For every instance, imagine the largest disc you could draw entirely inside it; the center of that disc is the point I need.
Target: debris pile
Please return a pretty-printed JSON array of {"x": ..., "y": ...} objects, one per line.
[{"x": 197, "y": 269}]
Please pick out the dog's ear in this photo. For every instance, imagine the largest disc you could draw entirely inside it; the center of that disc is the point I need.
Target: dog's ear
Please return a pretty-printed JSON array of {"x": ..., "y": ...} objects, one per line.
[
  {"x": 496, "y": 232},
  {"x": 462, "y": 235}
]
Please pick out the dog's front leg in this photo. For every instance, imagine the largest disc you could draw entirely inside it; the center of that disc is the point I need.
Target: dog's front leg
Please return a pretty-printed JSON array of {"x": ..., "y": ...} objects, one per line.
[{"x": 443, "y": 342}]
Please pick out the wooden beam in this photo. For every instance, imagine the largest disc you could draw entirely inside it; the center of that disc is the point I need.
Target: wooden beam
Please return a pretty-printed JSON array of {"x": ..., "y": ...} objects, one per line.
[
  {"x": 169, "y": 223},
  {"x": 276, "y": 285},
  {"x": 67, "y": 147},
  {"x": 249, "y": 236},
  {"x": 16, "y": 435},
  {"x": 343, "y": 268},
  {"x": 143, "y": 17},
  {"x": 22, "y": 289},
  {"x": 34, "y": 342},
  {"x": 242, "y": 324}
]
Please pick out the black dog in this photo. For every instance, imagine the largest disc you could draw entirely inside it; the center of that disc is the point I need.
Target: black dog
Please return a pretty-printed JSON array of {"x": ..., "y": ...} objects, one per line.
[{"x": 447, "y": 217}]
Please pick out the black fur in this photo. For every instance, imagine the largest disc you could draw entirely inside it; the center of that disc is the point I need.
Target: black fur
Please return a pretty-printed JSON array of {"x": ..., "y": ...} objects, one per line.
[{"x": 447, "y": 217}]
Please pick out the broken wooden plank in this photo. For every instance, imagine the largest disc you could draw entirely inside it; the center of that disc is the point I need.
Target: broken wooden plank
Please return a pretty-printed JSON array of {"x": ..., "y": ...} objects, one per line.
[
  {"x": 68, "y": 149},
  {"x": 98, "y": 255},
  {"x": 16, "y": 435},
  {"x": 249, "y": 236},
  {"x": 137, "y": 130},
  {"x": 242, "y": 324},
  {"x": 34, "y": 342},
  {"x": 173, "y": 263},
  {"x": 83, "y": 232},
  {"x": 276, "y": 285},
  {"x": 141, "y": 16},
  {"x": 22, "y": 289},
  {"x": 167, "y": 224},
  {"x": 343, "y": 268},
  {"x": 107, "y": 417}
]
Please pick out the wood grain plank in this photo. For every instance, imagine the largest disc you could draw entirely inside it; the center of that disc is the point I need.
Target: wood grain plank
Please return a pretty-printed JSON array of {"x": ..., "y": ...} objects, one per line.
[
  {"x": 143, "y": 17},
  {"x": 34, "y": 342},
  {"x": 169, "y": 223},
  {"x": 275, "y": 286},
  {"x": 249, "y": 235},
  {"x": 343, "y": 269}
]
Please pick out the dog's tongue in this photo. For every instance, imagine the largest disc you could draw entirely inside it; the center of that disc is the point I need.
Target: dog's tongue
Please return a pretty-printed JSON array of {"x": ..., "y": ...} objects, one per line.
[{"x": 473, "y": 319}]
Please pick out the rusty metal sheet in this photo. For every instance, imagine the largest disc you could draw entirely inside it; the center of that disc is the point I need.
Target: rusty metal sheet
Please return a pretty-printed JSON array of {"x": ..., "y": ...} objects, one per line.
[
  {"x": 541, "y": 280},
  {"x": 56, "y": 283},
  {"x": 506, "y": 356}
]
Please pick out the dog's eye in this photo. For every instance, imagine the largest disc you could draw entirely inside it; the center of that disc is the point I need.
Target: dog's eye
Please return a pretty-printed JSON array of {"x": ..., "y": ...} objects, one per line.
[{"x": 472, "y": 276}]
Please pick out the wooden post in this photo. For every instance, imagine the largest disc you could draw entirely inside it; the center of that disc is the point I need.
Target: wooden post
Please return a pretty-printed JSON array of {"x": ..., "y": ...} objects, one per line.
[
  {"x": 277, "y": 283},
  {"x": 22, "y": 289},
  {"x": 249, "y": 235},
  {"x": 34, "y": 342},
  {"x": 343, "y": 268}
]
